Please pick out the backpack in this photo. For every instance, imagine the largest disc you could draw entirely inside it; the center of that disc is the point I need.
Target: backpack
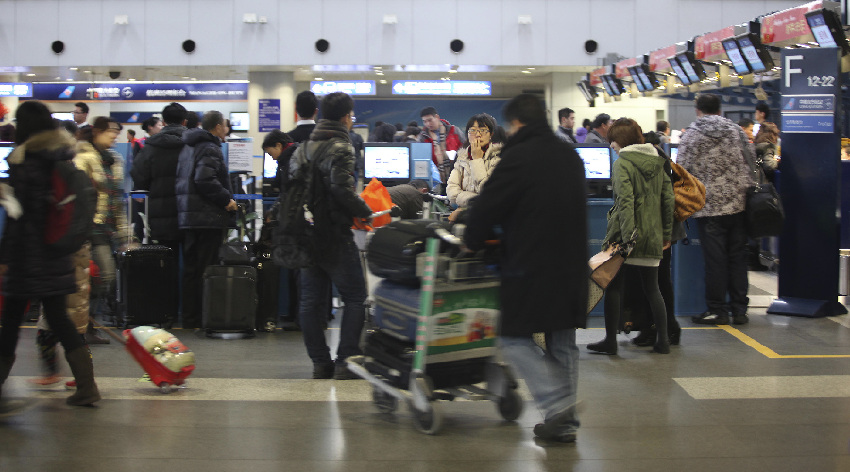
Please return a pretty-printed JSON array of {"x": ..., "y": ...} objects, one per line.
[
  {"x": 689, "y": 193},
  {"x": 70, "y": 212},
  {"x": 298, "y": 235}
]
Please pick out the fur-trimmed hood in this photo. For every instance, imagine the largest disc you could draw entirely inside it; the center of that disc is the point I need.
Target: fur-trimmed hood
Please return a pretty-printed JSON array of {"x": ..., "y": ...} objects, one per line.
[{"x": 46, "y": 141}]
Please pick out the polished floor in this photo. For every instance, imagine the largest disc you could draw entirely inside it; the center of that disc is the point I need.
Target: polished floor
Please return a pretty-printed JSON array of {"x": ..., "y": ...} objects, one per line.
[{"x": 773, "y": 395}]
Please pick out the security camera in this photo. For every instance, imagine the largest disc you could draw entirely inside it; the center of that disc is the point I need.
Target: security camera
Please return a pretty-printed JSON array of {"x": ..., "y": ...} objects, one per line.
[{"x": 114, "y": 74}]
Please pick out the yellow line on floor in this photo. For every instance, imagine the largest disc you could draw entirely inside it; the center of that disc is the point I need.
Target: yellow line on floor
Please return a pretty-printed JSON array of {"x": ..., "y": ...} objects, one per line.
[{"x": 769, "y": 353}]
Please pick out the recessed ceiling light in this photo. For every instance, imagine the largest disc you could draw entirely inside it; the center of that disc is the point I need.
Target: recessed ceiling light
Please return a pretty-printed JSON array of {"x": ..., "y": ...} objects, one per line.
[
  {"x": 318, "y": 78},
  {"x": 132, "y": 80},
  {"x": 383, "y": 81},
  {"x": 87, "y": 71},
  {"x": 186, "y": 78},
  {"x": 69, "y": 80},
  {"x": 72, "y": 68},
  {"x": 452, "y": 71},
  {"x": 378, "y": 67},
  {"x": 379, "y": 73},
  {"x": 194, "y": 78},
  {"x": 526, "y": 72},
  {"x": 531, "y": 68},
  {"x": 57, "y": 78},
  {"x": 30, "y": 75}
]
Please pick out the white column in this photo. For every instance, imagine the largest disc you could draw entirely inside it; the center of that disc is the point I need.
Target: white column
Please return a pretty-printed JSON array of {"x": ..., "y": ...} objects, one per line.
[{"x": 271, "y": 85}]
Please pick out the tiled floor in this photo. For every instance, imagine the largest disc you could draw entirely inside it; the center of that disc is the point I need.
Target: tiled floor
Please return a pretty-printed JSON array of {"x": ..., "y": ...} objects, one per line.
[{"x": 759, "y": 397}]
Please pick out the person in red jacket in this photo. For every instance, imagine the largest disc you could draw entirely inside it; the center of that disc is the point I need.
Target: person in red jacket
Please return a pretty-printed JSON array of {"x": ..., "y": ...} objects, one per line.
[{"x": 446, "y": 140}]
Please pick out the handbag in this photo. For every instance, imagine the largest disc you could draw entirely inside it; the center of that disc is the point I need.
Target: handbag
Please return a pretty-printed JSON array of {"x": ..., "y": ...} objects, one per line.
[
  {"x": 763, "y": 210},
  {"x": 378, "y": 198},
  {"x": 605, "y": 265}
]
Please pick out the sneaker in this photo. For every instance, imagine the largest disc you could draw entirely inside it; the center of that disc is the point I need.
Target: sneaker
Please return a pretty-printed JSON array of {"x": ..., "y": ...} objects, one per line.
[
  {"x": 323, "y": 371},
  {"x": 46, "y": 380},
  {"x": 740, "y": 319},
  {"x": 71, "y": 385},
  {"x": 341, "y": 372},
  {"x": 541, "y": 432},
  {"x": 709, "y": 318}
]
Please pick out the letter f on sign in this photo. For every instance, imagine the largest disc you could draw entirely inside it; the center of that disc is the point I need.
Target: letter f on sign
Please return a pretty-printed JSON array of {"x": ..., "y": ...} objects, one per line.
[{"x": 789, "y": 70}]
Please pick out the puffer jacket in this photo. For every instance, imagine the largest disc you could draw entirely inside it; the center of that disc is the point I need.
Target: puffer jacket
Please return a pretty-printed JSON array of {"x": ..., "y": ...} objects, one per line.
[
  {"x": 155, "y": 170},
  {"x": 643, "y": 200},
  {"x": 203, "y": 185},
  {"x": 32, "y": 272},
  {"x": 106, "y": 169},
  {"x": 712, "y": 150},
  {"x": 330, "y": 149},
  {"x": 464, "y": 182}
]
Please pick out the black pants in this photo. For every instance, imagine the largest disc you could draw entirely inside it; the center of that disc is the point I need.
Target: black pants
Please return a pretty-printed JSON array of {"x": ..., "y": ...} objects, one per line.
[
  {"x": 724, "y": 242},
  {"x": 614, "y": 301},
  {"x": 54, "y": 312},
  {"x": 200, "y": 249},
  {"x": 635, "y": 300}
]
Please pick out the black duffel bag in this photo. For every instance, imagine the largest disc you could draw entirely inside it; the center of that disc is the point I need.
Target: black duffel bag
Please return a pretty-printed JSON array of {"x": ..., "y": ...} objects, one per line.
[
  {"x": 764, "y": 212},
  {"x": 392, "y": 251}
]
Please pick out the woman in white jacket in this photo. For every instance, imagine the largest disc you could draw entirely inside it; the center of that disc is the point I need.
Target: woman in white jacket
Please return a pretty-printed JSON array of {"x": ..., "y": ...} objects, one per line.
[{"x": 475, "y": 162}]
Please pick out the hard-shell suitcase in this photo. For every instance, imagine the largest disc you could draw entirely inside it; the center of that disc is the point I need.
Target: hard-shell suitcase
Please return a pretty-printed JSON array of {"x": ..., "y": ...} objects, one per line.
[
  {"x": 230, "y": 298},
  {"x": 147, "y": 286},
  {"x": 392, "y": 251},
  {"x": 162, "y": 356},
  {"x": 396, "y": 309}
]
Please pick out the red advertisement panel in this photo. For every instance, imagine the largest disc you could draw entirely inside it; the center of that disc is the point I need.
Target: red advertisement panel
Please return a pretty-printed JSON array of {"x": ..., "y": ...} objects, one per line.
[
  {"x": 707, "y": 46},
  {"x": 658, "y": 58},
  {"x": 787, "y": 25},
  {"x": 595, "y": 76},
  {"x": 622, "y": 68}
]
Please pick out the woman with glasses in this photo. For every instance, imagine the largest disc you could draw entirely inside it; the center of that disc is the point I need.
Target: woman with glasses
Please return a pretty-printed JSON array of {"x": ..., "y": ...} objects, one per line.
[{"x": 475, "y": 162}]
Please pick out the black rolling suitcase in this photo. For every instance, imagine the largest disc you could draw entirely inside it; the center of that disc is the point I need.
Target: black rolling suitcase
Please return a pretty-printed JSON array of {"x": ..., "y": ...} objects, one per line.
[
  {"x": 230, "y": 298},
  {"x": 147, "y": 286},
  {"x": 392, "y": 251},
  {"x": 268, "y": 293}
]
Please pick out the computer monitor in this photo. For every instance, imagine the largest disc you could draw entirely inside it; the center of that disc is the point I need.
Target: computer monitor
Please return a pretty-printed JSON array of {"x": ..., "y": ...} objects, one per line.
[
  {"x": 597, "y": 162},
  {"x": 758, "y": 57},
  {"x": 240, "y": 121},
  {"x": 674, "y": 152},
  {"x": 5, "y": 150},
  {"x": 269, "y": 167},
  {"x": 388, "y": 162},
  {"x": 733, "y": 51},
  {"x": 680, "y": 73}
]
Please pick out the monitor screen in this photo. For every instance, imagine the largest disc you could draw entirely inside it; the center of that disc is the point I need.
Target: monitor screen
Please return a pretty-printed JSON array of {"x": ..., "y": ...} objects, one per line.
[
  {"x": 752, "y": 55},
  {"x": 240, "y": 121},
  {"x": 386, "y": 162},
  {"x": 647, "y": 82},
  {"x": 269, "y": 167},
  {"x": 641, "y": 85},
  {"x": 689, "y": 68},
  {"x": 597, "y": 162},
  {"x": 821, "y": 31},
  {"x": 674, "y": 63},
  {"x": 5, "y": 150},
  {"x": 734, "y": 54},
  {"x": 674, "y": 153},
  {"x": 609, "y": 89}
]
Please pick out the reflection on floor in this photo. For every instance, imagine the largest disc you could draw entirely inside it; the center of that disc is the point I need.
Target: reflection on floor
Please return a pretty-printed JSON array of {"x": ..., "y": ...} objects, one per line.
[{"x": 717, "y": 402}]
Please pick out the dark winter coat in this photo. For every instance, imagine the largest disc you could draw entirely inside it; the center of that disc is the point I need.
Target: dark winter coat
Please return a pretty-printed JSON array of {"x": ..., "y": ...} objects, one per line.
[
  {"x": 32, "y": 273},
  {"x": 330, "y": 149},
  {"x": 543, "y": 221},
  {"x": 301, "y": 133},
  {"x": 203, "y": 184},
  {"x": 155, "y": 170}
]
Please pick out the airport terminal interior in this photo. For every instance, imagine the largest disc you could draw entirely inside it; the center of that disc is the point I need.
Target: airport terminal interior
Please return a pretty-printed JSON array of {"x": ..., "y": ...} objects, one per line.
[{"x": 770, "y": 395}]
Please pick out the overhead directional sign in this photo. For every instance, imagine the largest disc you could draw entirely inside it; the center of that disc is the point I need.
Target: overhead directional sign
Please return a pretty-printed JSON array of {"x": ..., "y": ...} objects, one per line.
[
  {"x": 351, "y": 87},
  {"x": 18, "y": 89},
  {"x": 442, "y": 87}
]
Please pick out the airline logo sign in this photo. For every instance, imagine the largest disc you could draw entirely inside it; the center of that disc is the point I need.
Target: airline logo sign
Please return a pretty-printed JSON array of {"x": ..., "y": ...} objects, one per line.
[
  {"x": 788, "y": 25},
  {"x": 658, "y": 58},
  {"x": 15, "y": 90},
  {"x": 442, "y": 87},
  {"x": 709, "y": 45},
  {"x": 622, "y": 68},
  {"x": 351, "y": 87}
]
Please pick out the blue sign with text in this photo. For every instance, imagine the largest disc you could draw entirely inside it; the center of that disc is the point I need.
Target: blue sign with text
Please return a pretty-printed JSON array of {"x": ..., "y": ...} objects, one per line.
[
  {"x": 808, "y": 123},
  {"x": 268, "y": 114},
  {"x": 129, "y": 91},
  {"x": 351, "y": 87},
  {"x": 808, "y": 103},
  {"x": 15, "y": 89},
  {"x": 442, "y": 87}
]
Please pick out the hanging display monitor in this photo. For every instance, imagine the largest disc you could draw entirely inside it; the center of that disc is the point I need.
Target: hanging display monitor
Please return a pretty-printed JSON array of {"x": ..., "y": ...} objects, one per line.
[
  {"x": 693, "y": 69},
  {"x": 757, "y": 56},
  {"x": 680, "y": 73},
  {"x": 587, "y": 90},
  {"x": 827, "y": 30},
  {"x": 734, "y": 53},
  {"x": 613, "y": 85},
  {"x": 649, "y": 79},
  {"x": 640, "y": 85}
]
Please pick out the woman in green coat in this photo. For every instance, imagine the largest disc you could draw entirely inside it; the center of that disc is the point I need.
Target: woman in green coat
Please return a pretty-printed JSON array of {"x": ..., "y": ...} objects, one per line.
[{"x": 643, "y": 205}]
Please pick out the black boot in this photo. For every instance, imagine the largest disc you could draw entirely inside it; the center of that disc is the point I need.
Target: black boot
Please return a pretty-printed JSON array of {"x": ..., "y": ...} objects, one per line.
[
  {"x": 645, "y": 338},
  {"x": 81, "y": 365}
]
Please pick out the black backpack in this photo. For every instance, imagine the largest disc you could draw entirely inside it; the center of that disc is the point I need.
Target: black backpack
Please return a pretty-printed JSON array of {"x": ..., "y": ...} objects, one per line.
[
  {"x": 70, "y": 212},
  {"x": 302, "y": 227}
]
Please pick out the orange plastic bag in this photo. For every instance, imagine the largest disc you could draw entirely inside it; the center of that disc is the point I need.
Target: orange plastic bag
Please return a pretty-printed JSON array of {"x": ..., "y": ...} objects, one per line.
[{"x": 378, "y": 198}]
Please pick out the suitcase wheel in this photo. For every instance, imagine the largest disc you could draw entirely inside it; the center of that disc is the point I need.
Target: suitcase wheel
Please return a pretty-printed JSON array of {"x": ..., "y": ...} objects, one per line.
[
  {"x": 165, "y": 387},
  {"x": 384, "y": 402},
  {"x": 510, "y": 405}
]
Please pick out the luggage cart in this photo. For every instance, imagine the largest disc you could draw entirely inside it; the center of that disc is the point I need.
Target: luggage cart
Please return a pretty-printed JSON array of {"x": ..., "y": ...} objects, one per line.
[{"x": 456, "y": 327}]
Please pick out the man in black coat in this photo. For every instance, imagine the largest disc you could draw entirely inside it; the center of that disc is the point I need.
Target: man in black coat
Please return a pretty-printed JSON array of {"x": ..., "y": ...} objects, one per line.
[
  {"x": 307, "y": 108},
  {"x": 204, "y": 201},
  {"x": 536, "y": 197},
  {"x": 155, "y": 170}
]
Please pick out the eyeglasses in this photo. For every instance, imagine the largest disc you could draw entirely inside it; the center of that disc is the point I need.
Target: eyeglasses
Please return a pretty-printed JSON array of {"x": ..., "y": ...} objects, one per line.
[
  {"x": 479, "y": 132},
  {"x": 79, "y": 113}
]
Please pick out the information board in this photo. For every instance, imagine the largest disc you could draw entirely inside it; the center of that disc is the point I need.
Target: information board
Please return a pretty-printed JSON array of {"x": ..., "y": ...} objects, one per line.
[
  {"x": 268, "y": 114},
  {"x": 239, "y": 157}
]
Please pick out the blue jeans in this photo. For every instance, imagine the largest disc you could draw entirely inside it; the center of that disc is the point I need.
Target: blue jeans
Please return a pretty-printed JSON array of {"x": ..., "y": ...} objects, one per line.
[
  {"x": 347, "y": 274},
  {"x": 552, "y": 377}
]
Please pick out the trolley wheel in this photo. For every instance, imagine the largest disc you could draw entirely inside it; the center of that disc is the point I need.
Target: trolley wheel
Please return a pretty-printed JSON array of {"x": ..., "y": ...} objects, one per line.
[
  {"x": 430, "y": 420},
  {"x": 510, "y": 405},
  {"x": 165, "y": 387},
  {"x": 384, "y": 402}
]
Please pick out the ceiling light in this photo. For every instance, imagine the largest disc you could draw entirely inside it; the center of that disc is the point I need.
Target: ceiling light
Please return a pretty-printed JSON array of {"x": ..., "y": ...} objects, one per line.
[
  {"x": 186, "y": 78},
  {"x": 194, "y": 78},
  {"x": 122, "y": 19},
  {"x": 530, "y": 68},
  {"x": 87, "y": 72},
  {"x": 318, "y": 78},
  {"x": 383, "y": 81},
  {"x": 380, "y": 73},
  {"x": 57, "y": 78},
  {"x": 452, "y": 71},
  {"x": 249, "y": 18},
  {"x": 72, "y": 68},
  {"x": 30, "y": 75},
  {"x": 69, "y": 80},
  {"x": 378, "y": 67},
  {"x": 524, "y": 19},
  {"x": 390, "y": 19},
  {"x": 526, "y": 72}
]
